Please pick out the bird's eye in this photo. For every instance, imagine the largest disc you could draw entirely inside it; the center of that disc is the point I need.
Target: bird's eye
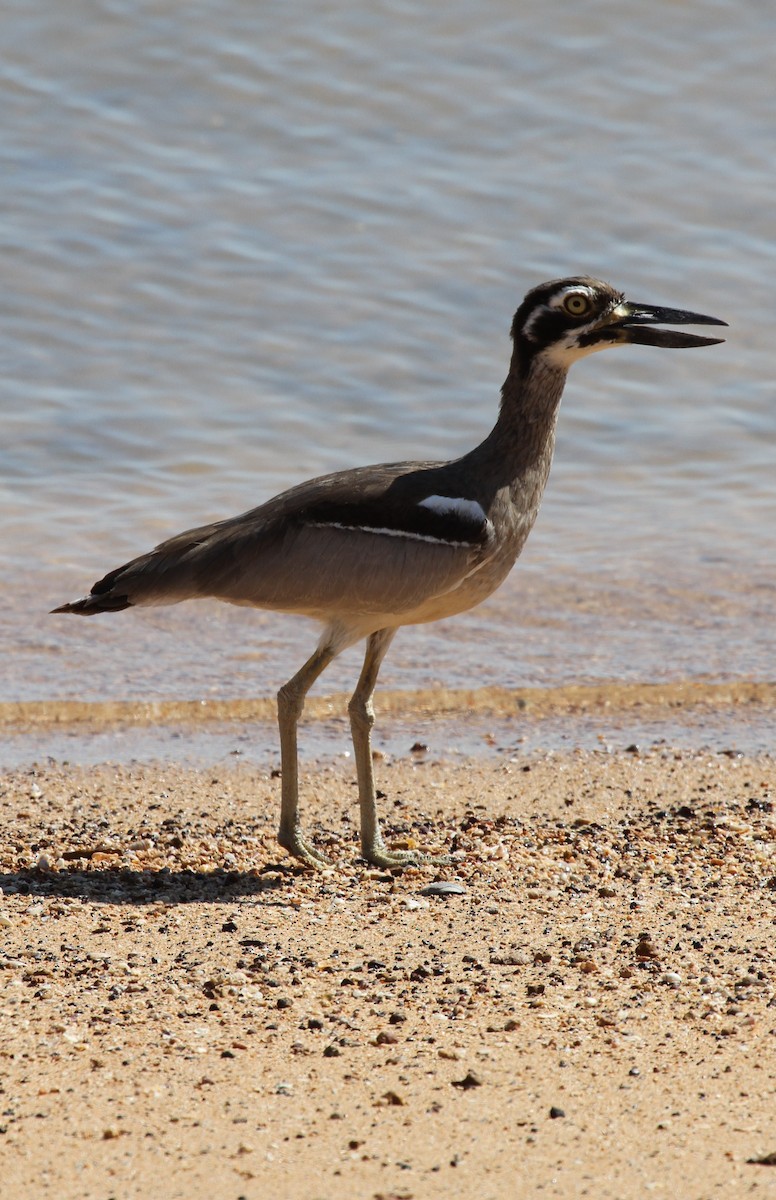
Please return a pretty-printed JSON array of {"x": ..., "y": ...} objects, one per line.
[{"x": 577, "y": 304}]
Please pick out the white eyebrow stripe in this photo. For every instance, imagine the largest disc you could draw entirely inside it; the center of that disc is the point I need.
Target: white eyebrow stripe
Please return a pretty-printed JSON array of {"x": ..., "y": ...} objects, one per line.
[
  {"x": 557, "y": 300},
  {"x": 469, "y": 510}
]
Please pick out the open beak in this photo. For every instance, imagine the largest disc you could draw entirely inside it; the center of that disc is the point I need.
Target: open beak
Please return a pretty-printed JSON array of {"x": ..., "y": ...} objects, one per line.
[{"x": 636, "y": 323}]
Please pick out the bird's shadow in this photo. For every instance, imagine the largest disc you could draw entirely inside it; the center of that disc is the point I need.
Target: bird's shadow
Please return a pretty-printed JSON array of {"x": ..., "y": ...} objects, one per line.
[{"x": 121, "y": 886}]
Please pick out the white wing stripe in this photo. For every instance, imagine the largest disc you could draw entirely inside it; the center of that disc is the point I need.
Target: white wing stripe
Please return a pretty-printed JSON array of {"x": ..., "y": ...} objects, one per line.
[{"x": 401, "y": 533}]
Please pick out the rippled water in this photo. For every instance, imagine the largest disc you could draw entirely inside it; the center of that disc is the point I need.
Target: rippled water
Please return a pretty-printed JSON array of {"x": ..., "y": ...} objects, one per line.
[{"x": 262, "y": 241}]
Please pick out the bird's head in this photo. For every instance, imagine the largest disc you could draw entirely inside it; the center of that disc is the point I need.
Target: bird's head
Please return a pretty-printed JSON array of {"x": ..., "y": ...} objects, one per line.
[{"x": 567, "y": 319}]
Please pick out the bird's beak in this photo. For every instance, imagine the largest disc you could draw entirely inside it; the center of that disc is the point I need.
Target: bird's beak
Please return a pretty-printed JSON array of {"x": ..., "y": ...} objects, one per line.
[{"x": 636, "y": 323}]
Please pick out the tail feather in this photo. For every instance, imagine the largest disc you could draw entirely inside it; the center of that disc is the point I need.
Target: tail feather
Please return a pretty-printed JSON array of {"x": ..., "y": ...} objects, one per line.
[
  {"x": 94, "y": 603},
  {"x": 178, "y": 569},
  {"x": 102, "y": 597},
  {"x": 162, "y": 576}
]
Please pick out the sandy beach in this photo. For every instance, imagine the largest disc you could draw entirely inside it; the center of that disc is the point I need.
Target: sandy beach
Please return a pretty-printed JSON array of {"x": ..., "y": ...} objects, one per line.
[{"x": 591, "y": 1012}]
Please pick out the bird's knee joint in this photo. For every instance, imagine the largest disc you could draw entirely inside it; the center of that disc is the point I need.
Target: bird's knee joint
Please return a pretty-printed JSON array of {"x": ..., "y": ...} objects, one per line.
[
  {"x": 361, "y": 715},
  {"x": 290, "y": 703}
]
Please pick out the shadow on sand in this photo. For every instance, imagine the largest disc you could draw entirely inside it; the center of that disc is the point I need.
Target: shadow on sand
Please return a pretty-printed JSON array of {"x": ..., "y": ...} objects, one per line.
[{"x": 122, "y": 886}]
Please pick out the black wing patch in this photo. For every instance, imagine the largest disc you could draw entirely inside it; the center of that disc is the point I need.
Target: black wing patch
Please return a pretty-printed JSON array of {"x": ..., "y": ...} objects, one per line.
[{"x": 447, "y": 520}]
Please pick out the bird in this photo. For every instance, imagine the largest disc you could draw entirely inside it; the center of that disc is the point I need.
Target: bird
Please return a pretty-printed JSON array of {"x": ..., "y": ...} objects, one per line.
[{"x": 367, "y": 550}]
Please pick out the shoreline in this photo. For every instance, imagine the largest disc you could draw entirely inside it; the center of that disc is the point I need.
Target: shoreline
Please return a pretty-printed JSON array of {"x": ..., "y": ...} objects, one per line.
[
  {"x": 482, "y": 723},
  {"x": 575, "y": 699}
]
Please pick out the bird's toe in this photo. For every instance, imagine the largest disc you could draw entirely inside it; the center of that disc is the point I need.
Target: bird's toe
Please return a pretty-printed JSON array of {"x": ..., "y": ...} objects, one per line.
[
  {"x": 379, "y": 855},
  {"x": 304, "y": 851}
]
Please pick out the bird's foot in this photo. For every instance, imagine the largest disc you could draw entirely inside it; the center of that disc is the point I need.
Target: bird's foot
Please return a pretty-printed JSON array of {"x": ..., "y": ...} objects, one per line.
[
  {"x": 379, "y": 855},
  {"x": 303, "y": 851}
]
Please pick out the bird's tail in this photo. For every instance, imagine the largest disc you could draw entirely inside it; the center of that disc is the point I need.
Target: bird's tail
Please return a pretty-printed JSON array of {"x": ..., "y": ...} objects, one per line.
[
  {"x": 164, "y": 576},
  {"x": 89, "y": 605},
  {"x": 105, "y": 596}
]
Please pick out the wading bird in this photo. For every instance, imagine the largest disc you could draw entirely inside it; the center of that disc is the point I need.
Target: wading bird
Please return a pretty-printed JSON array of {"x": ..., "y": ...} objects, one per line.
[{"x": 367, "y": 550}]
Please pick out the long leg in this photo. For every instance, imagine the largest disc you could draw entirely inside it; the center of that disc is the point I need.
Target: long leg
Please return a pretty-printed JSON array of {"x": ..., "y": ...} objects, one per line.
[
  {"x": 291, "y": 699},
  {"x": 362, "y": 719}
]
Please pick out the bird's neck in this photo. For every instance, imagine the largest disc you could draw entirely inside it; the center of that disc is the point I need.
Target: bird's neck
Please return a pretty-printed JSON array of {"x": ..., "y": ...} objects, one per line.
[{"x": 517, "y": 453}]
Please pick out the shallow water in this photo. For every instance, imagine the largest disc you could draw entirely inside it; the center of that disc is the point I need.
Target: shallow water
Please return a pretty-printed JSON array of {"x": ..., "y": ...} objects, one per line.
[
  {"x": 425, "y": 740},
  {"x": 251, "y": 247}
]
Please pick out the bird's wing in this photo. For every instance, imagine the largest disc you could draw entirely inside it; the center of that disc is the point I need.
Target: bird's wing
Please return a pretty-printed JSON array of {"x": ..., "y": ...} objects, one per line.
[{"x": 375, "y": 540}]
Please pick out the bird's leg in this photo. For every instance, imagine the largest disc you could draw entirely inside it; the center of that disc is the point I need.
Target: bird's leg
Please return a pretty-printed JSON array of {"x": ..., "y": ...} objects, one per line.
[
  {"x": 362, "y": 719},
  {"x": 291, "y": 698}
]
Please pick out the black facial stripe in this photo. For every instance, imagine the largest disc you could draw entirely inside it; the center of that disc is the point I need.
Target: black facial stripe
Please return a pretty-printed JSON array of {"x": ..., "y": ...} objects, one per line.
[
  {"x": 547, "y": 325},
  {"x": 547, "y": 328},
  {"x": 595, "y": 336}
]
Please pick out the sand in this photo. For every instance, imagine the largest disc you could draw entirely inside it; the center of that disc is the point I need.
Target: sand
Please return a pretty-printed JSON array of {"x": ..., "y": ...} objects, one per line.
[{"x": 185, "y": 1013}]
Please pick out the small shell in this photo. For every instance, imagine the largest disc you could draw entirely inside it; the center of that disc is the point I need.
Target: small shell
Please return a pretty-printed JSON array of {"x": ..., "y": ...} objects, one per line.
[{"x": 443, "y": 888}]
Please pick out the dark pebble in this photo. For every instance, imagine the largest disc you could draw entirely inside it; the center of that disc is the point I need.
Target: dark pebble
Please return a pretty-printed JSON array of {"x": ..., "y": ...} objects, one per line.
[
  {"x": 556, "y": 1112},
  {"x": 470, "y": 1080}
]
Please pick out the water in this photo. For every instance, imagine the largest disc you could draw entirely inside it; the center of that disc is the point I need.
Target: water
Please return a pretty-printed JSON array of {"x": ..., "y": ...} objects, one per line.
[
  {"x": 732, "y": 732},
  {"x": 263, "y": 242}
]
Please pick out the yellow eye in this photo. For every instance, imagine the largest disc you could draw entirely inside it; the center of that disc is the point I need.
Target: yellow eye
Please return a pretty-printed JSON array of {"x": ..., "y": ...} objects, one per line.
[{"x": 577, "y": 304}]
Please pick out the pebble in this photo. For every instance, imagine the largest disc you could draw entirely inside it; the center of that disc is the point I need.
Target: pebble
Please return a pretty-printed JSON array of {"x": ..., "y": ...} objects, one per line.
[
  {"x": 474, "y": 964},
  {"x": 443, "y": 888},
  {"x": 470, "y": 1080}
]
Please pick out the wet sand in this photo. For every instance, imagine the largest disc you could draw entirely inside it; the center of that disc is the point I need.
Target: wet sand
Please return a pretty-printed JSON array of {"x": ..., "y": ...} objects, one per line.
[
  {"x": 185, "y": 1013},
  {"x": 670, "y": 696}
]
